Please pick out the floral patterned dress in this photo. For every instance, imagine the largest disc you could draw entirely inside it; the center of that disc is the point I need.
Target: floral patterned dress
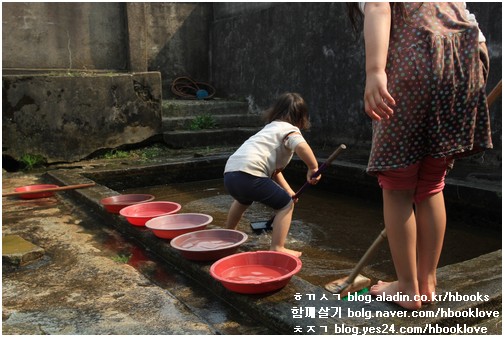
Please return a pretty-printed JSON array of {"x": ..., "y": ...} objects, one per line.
[{"x": 438, "y": 81}]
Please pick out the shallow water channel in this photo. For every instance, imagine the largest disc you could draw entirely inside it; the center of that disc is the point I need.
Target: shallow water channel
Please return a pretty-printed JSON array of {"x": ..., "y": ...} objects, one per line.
[{"x": 332, "y": 230}]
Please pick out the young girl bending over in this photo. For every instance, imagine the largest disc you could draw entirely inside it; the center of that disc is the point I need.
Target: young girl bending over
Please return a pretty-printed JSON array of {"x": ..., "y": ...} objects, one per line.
[
  {"x": 425, "y": 92},
  {"x": 254, "y": 171}
]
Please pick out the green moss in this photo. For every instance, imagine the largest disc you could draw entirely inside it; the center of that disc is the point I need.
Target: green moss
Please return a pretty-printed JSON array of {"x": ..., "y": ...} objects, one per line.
[
  {"x": 121, "y": 258},
  {"x": 143, "y": 154},
  {"x": 30, "y": 161},
  {"x": 205, "y": 121}
]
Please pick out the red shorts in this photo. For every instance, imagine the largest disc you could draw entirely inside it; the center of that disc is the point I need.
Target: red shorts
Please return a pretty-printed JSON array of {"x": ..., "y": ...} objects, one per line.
[{"x": 426, "y": 177}]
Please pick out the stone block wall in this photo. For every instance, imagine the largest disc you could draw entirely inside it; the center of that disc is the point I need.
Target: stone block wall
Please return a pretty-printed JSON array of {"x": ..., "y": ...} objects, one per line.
[{"x": 67, "y": 118}]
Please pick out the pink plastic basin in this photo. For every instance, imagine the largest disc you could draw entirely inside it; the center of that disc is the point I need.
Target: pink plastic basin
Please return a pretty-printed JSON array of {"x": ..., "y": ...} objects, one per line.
[
  {"x": 208, "y": 244},
  {"x": 139, "y": 214},
  {"x": 31, "y": 188},
  {"x": 171, "y": 226},
  {"x": 115, "y": 203},
  {"x": 255, "y": 272}
]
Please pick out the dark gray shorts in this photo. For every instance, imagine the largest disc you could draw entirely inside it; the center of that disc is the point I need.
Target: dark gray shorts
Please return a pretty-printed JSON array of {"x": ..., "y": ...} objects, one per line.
[{"x": 246, "y": 189}]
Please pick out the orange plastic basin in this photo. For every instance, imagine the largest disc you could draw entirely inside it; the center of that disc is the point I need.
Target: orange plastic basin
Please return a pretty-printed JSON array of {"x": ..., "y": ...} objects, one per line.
[
  {"x": 171, "y": 226},
  {"x": 115, "y": 203},
  {"x": 139, "y": 214},
  {"x": 255, "y": 272},
  {"x": 31, "y": 188},
  {"x": 208, "y": 244}
]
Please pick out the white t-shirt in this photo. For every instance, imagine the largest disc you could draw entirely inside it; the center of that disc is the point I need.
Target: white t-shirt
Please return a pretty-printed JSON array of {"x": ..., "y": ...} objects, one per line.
[{"x": 266, "y": 151}]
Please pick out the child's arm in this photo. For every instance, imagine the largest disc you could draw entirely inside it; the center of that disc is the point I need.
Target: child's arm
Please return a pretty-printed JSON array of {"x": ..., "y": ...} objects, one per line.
[
  {"x": 377, "y": 20},
  {"x": 304, "y": 151},
  {"x": 279, "y": 178}
]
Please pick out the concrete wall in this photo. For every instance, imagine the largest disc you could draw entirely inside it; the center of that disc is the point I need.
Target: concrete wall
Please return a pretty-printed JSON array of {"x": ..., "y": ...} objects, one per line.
[
  {"x": 262, "y": 49},
  {"x": 85, "y": 102},
  {"x": 65, "y": 118},
  {"x": 75, "y": 35},
  {"x": 170, "y": 38},
  {"x": 178, "y": 41}
]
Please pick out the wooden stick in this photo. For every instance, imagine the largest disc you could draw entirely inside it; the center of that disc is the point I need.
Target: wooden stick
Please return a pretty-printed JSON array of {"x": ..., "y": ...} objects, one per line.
[
  {"x": 364, "y": 259},
  {"x": 321, "y": 168},
  {"x": 54, "y": 189},
  {"x": 494, "y": 94},
  {"x": 355, "y": 281}
]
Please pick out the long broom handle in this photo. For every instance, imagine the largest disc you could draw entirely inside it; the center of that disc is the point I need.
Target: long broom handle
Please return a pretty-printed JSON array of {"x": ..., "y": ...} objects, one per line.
[
  {"x": 321, "y": 168},
  {"x": 494, "y": 94},
  {"x": 53, "y": 189},
  {"x": 364, "y": 259}
]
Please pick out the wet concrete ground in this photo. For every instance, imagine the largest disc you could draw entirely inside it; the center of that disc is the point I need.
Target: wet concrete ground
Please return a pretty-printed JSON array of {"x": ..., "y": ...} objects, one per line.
[{"x": 82, "y": 287}]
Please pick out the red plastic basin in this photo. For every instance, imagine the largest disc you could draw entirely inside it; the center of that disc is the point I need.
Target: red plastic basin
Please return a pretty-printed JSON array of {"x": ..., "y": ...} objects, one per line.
[
  {"x": 115, "y": 203},
  {"x": 208, "y": 244},
  {"x": 31, "y": 188},
  {"x": 255, "y": 272},
  {"x": 139, "y": 214},
  {"x": 171, "y": 226}
]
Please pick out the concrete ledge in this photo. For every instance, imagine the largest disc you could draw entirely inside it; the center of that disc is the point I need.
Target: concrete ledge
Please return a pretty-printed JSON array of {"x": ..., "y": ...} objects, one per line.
[
  {"x": 181, "y": 108},
  {"x": 221, "y": 121},
  {"x": 212, "y": 137}
]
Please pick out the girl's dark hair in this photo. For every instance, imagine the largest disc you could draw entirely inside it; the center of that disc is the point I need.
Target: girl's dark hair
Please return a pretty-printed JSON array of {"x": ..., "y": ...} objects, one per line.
[
  {"x": 355, "y": 15},
  {"x": 291, "y": 108}
]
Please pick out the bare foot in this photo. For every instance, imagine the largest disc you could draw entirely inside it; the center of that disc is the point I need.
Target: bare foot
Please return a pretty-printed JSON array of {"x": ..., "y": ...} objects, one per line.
[
  {"x": 377, "y": 288},
  {"x": 427, "y": 292},
  {"x": 427, "y": 287},
  {"x": 288, "y": 251},
  {"x": 389, "y": 291}
]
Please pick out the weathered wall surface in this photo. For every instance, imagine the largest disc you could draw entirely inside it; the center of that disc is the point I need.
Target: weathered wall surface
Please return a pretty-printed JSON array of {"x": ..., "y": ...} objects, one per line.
[
  {"x": 65, "y": 118},
  {"x": 262, "y": 49},
  {"x": 170, "y": 38},
  {"x": 178, "y": 41},
  {"x": 68, "y": 117},
  {"x": 72, "y": 35},
  {"x": 302, "y": 47}
]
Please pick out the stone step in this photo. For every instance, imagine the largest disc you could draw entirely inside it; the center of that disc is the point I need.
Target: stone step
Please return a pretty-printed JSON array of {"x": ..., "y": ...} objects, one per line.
[
  {"x": 221, "y": 121},
  {"x": 180, "y": 108},
  {"x": 211, "y": 137}
]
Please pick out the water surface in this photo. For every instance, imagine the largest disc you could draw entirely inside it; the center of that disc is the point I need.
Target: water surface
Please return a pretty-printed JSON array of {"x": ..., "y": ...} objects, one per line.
[{"x": 331, "y": 229}]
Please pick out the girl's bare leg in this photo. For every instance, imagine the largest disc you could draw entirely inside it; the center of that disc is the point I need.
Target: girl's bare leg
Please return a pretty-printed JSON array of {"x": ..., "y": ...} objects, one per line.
[
  {"x": 281, "y": 226},
  {"x": 235, "y": 214},
  {"x": 402, "y": 237},
  {"x": 431, "y": 226}
]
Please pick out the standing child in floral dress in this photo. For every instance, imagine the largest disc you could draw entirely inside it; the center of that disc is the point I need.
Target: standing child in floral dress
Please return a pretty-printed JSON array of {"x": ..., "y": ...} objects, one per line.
[{"x": 425, "y": 92}]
